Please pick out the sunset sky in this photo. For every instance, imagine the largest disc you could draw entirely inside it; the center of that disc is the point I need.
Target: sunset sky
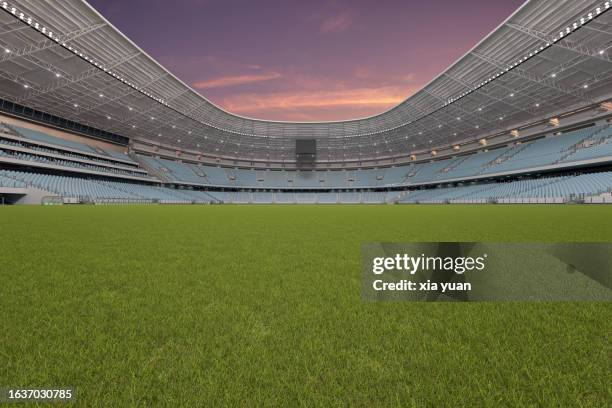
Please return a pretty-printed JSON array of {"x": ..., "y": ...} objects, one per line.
[{"x": 306, "y": 60}]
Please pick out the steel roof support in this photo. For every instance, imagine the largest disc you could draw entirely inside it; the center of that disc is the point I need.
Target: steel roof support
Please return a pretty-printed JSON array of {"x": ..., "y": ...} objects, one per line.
[
  {"x": 563, "y": 43},
  {"x": 535, "y": 78},
  {"x": 494, "y": 98},
  {"x": 66, "y": 80},
  {"x": 47, "y": 43}
]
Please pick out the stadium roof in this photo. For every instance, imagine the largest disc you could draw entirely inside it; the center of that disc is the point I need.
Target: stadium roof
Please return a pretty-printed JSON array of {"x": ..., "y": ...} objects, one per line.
[{"x": 64, "y": 58}]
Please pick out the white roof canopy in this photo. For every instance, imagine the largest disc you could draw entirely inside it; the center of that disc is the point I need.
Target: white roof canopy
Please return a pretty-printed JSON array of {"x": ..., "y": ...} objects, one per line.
[{"x": 64, "y": 58}]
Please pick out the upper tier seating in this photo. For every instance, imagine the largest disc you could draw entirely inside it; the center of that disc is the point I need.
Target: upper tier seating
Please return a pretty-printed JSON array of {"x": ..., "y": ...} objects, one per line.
[
  {"x": 273, "y": 178},
  {"x": 543, "y": 151},
  {"x": 23, "y": 149},
  {"x": 369, "y": 178},
  {"x": 428, "y": 171},
  {"x": 244, "y": 178},
  {"x": 599, "y": 145},
  {"x": 396, "y": 175},
  {"x": 181, "y": 172},
  {"x": 214, "y": 175},
  {"x": 45, "y": 138},
  {"x": 38, "y": 136},
  {"x": 68, "y": 161},
  {"x": 474, "y": 164},
  {"x": 587, "y": 143},
  {"x": 306, "y": 178},
  {"x": 335, "y": 178}
]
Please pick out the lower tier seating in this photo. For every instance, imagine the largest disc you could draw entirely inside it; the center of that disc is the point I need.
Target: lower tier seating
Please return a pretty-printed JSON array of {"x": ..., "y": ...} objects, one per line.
[
  {"x": 93, "y": 190},
  {"x": 556, "y": 189}
]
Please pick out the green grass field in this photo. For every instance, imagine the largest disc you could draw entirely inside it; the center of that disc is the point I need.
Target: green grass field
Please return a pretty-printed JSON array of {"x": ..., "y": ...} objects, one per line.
[{"x": 260, "y": 305}]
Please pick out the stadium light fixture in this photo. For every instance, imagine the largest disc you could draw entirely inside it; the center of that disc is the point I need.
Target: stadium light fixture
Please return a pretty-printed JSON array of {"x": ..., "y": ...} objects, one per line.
[
  {"x": 76, "y": 105},
  {"x": 601, "y": 52},
  {"x": 26, "y": 86},
  {"x": 7, "y": 51},
  {"x": 568, "y": 30},
  {"x": 585, "y": 86}
]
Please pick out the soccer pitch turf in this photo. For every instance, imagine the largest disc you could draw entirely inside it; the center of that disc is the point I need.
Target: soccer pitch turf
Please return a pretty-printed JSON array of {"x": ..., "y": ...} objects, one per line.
[{"x": 261, "y": 305}]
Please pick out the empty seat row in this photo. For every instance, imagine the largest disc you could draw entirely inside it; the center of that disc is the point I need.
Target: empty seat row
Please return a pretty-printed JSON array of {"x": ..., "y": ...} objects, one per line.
[
  {"x": 563, "y": 188},
  {"x": 38, "y": 136},
  {"x": 591, "y": 142},
  {"x": 56, "y": 161},
  {"x": 87, "y": 189}
]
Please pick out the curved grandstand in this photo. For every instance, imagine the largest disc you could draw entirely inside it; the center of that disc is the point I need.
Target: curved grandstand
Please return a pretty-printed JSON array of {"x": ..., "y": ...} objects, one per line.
[{"x": 524, "y": 116}]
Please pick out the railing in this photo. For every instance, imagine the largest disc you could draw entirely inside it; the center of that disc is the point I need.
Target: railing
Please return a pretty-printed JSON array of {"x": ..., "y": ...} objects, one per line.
[
  {"x": 454, "y": 164},
  {"x": 505, "y": 156},
  {"x": 581, "y": 144},
  {"x": 121, "y": 201}
]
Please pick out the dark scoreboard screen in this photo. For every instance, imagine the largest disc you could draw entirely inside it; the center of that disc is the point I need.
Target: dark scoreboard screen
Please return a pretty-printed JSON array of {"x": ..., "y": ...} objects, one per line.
[{"x": 305, "y": 146}]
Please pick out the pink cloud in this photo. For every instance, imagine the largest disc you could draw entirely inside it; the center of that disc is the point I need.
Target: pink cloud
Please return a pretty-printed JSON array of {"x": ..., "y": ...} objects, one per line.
[
  {"x": 310, "y": 105},
  {"x": 235, "y": 80},
  {"x": 336, "y": 23}
]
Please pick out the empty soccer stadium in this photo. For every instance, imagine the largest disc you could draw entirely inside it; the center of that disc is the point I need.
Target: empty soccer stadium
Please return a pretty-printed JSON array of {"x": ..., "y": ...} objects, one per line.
[
  {"x": 160, "y": 250},
  {"x": 526, "y": 122}
]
